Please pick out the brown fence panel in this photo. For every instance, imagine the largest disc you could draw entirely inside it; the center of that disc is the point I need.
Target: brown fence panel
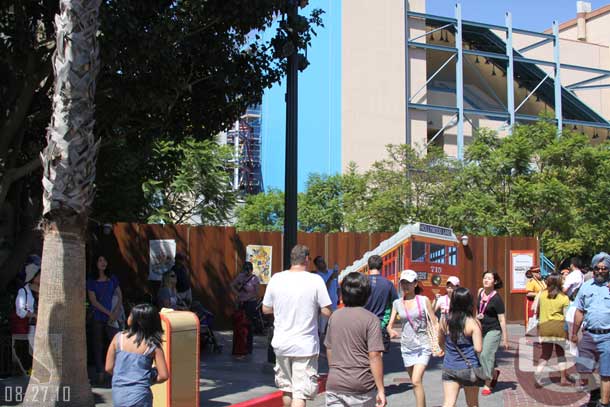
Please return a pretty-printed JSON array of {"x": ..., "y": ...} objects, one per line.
[
  {"x": 344, "y": 248},
  {"x": 213, "y": 266},
  {"x": 216, "y": 254},
  {"x": 317, "y": 246},
  {"x": 471, "y": 263}
]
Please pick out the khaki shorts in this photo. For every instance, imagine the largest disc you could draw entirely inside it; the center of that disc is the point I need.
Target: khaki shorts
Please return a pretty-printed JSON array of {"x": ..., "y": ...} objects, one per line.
[
  {"x": 297, "y": 375},
  {"x": 351, "y": 400}
]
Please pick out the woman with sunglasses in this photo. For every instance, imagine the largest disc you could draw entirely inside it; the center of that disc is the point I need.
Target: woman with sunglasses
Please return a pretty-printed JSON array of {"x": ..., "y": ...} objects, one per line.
[{"x": 168, "y": 294}]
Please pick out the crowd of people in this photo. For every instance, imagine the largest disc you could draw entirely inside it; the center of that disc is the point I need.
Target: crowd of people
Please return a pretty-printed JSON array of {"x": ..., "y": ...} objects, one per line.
[
  {"x": 568, "y": 310},
  {"x": 466, "y": 329}
]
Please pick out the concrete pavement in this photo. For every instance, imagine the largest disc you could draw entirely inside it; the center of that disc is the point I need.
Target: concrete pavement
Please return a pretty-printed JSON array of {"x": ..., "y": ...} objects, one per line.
[{"x": 226, "y": 380}]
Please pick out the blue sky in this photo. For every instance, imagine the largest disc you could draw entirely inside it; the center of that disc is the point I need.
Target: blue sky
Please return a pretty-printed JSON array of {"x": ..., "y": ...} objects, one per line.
[
  {"x": 320, "y": 84},
  {"x": 535, "y": 15}
]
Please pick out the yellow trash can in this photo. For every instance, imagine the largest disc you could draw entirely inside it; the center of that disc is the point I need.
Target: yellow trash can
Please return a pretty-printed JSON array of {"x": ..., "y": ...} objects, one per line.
[{"x": 181, "y": 348}]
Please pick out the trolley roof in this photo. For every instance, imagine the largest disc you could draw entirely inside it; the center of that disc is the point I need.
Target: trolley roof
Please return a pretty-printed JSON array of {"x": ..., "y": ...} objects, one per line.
[{"x": 405, "y": 232}]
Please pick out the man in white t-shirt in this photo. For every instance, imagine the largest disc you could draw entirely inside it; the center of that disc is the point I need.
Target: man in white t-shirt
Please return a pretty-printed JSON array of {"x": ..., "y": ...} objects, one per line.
[
  {"x": 296, "y": 297},
  {"x": 574, "y": 279}
]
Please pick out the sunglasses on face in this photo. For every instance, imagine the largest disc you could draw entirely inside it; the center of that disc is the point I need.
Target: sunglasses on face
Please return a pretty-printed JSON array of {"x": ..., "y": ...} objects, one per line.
[{"x": 601, "y": 269}]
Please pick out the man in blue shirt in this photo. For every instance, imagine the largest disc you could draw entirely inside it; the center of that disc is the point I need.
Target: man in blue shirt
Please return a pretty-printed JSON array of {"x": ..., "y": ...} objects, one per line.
[
  {"x": 593, "y": 308},
  {"x": 332, "y": 285},
  {"x": 383, "y": 294}
]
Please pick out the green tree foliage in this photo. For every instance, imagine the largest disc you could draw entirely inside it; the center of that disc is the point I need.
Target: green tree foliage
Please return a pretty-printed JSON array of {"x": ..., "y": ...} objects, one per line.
[
  {"x": 169, "y": 70},
  {"x": 532, "y": 183},
  {"x": 263, "y": 212},
  {"x": 191, "y": 183}
]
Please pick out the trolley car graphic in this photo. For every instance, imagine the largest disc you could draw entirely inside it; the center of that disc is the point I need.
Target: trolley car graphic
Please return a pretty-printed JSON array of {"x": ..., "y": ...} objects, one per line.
[{"x": 430, "y": 250}]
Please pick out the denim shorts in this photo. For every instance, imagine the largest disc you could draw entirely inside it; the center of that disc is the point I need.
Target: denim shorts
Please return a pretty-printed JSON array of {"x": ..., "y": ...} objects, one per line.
[
  {"x": 461, "y": 376},
  {"x": 592, "y": 349}
]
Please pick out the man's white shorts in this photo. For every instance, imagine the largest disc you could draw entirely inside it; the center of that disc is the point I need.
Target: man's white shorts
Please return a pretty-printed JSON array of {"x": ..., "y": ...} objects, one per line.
[{"x": 297, "y": 375}]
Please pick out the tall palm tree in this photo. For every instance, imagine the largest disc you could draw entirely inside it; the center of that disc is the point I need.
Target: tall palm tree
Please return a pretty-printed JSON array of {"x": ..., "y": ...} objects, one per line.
[{"x": 59, "y": 374}]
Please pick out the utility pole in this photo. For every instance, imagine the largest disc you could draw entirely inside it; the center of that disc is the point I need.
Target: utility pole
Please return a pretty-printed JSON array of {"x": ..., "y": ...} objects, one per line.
[{"x": 290, "y": 181}]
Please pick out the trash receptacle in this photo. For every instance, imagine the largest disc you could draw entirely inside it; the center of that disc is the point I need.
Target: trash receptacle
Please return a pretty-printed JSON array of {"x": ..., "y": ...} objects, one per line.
[{"x": 181, "y": 347}]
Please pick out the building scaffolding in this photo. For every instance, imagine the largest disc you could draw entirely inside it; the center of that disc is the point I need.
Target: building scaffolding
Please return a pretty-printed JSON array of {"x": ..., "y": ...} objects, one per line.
[
  {"x": 480, "y": 40},
  {"x": 245, "y": 137}
]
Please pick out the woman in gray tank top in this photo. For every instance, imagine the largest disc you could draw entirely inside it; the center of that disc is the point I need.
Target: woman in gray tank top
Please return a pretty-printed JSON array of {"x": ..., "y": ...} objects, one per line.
[{"x": 414, "y": 344}]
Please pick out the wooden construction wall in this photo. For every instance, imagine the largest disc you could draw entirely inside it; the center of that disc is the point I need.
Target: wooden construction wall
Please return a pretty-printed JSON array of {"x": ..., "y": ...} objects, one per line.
[{"x": 215, "y": 255}]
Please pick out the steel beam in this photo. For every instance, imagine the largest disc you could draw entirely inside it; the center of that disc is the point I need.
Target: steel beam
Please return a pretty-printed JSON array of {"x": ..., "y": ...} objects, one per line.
[
  {"x": 431, "y": 77},
  {"x": 533, "y": 61},
  {"x": 450, "y": 123},
  {"x": 557, "y": 82},
  {"x": 510, "y": 81},
  {"x": 487, "y": 113},
  {"x": 532, "y": 92},
  {"x": 586, "y": 81},
  {"x": 431, "y": 46},
  {"x": 436, "y": 108},
  {"x": 494, "y": 55},
  {"x": 603, "y": 86},
  {"x": 459, "y": 82},
  {"x": 585, "y": 69},
  {"x": 533, "y": 33},
  {"x": 534, "y": 45},
  {"x": 431, "y": 16},
  {"x": 430, "y": 32},
  {"x": 587, "y": 124}
]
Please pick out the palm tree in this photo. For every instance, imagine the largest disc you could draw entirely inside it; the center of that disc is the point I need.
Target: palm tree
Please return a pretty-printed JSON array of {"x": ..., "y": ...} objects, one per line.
[{"x": 59, "y": 373}]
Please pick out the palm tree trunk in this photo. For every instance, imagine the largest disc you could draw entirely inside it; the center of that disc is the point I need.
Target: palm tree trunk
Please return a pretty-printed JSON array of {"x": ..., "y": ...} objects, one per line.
[{"x": 59, "y": 373}]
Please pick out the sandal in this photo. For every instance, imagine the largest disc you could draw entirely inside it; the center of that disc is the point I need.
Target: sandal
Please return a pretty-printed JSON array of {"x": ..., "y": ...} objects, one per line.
[{"x": 486, "y": 392}]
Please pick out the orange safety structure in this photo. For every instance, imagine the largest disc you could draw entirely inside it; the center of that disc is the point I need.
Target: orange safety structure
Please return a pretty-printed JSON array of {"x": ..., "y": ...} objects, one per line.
[
  {"x": 429, "y": 250},
  {"x": 181, "y": 347}
]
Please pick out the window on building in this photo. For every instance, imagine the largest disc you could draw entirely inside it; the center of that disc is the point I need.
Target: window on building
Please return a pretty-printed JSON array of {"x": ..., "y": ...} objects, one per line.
[
  {"x": 452, "y": 255},
  {"x": 418, "y": 252},
  {"x": 437, "y": 253}
]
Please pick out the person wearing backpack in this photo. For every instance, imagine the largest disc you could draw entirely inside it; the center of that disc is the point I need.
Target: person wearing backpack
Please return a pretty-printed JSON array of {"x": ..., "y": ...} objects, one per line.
[{"x": 26, "y": 303}]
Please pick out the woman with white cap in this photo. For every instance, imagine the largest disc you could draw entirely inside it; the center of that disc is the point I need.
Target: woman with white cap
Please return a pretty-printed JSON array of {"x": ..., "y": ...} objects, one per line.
[
  {"x": 415, "y": 346},
  {"x": 441, "y": 303},
  {"x": 25, "y": 303}
]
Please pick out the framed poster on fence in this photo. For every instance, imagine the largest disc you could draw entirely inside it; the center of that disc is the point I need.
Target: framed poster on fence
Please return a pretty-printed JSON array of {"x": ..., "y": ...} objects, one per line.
[
  {"x": 161, "y": 258},
  {"x": 520, "y": 262},
  {"x": 260, "y": 256}
]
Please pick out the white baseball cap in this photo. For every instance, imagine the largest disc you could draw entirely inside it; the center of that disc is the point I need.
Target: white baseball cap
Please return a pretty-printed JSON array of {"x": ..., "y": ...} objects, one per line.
[
  {"x": 408, "y": 275},
  {"x": 453, "y": 280}
]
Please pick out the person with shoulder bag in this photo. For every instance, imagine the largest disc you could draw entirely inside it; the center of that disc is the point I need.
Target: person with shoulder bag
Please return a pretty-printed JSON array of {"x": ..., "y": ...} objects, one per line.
[
  {"x": 461, "y": 338},
  {"x": 419, "y": 331}
]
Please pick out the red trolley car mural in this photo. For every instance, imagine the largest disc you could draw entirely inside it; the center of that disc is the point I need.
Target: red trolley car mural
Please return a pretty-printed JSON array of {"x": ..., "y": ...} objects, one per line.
[{"x": 431, "y": 251}]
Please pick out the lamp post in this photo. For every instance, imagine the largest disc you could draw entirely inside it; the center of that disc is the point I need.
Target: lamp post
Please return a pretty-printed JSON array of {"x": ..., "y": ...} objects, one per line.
[{"x": 290, "y": 181}]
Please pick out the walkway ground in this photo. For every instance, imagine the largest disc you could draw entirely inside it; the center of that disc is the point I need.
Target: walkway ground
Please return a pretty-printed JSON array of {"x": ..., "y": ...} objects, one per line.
[{"x": 226, "y": 380}]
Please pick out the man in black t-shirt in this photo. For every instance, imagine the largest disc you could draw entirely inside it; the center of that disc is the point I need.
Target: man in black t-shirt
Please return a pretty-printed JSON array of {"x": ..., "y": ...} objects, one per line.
[{"x": 382, "y": 296}]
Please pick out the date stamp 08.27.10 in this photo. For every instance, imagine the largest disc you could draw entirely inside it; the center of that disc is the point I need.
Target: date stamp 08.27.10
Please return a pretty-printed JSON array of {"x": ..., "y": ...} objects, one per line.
[{"x": 38, "y": 393}]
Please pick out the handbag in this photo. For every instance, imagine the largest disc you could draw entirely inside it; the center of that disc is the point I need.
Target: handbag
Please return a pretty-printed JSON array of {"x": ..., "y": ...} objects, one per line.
[
  {"x": 432, "y": 336},
  {"x": 532, "y": 322},
  {"x": 476, "y": 373}
]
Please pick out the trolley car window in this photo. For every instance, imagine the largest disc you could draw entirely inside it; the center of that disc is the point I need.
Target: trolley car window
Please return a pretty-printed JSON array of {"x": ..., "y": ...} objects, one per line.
[
  {"x": 418, "y": 251},
  {"x": 452, "y": 256},
  {"x": 437, "y": 253}
]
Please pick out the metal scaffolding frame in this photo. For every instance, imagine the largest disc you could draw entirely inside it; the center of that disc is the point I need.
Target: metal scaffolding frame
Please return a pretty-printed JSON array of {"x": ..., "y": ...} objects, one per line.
[{"x": 509, "y": 115}]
